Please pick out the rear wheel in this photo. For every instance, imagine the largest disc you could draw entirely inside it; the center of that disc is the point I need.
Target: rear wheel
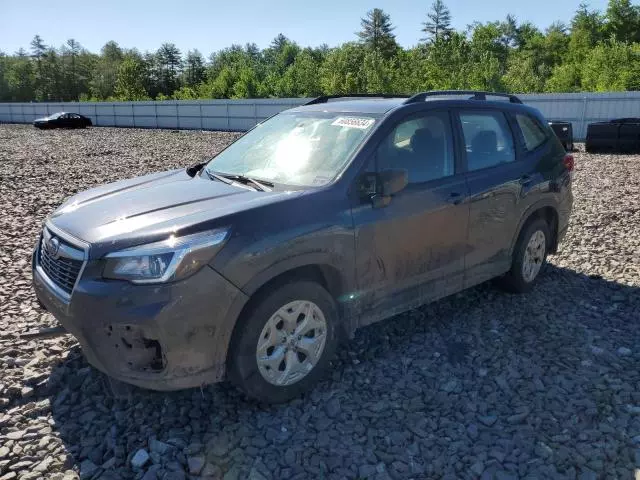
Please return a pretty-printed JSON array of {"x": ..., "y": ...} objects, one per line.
[
  {"x": 529, "y": 257},
  {"x": 284, "y": 343}
]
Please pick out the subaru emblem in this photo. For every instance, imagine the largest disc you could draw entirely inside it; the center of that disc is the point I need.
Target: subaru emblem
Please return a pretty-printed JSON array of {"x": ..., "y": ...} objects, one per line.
[{"x": 53, "y": 247}]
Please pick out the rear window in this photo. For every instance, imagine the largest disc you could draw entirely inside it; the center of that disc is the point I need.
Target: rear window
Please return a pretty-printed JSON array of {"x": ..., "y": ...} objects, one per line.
[
  {"x": 533, "y": 134},
  {"x": 487, "y": 137}
]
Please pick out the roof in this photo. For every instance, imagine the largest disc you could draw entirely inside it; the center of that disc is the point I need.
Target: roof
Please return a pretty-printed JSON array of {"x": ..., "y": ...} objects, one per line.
[
  {"x": 366, "y": 105},
  {"x": 380, "y": 106}
]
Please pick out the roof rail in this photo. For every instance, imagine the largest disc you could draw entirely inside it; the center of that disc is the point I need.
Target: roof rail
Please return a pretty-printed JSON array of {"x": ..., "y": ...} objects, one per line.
[
  {"x": 476, "y": 95},
  {"x": 326, "y": 98}
]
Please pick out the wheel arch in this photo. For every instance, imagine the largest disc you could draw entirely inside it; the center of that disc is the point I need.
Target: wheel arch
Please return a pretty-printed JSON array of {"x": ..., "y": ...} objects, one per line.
[
  {"x": 315, "y": 267},
  {"x": 547, "y": 211}
]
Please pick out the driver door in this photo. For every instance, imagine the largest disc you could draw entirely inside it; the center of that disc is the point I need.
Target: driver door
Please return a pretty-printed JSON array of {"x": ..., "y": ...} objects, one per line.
[{"x": 412, "y": 250}]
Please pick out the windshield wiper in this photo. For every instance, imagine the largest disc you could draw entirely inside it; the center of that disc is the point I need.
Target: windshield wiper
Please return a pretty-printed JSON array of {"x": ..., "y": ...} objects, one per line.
[
  {"x": 220, "y": 178},
  {"x": 262, "y": 185}
]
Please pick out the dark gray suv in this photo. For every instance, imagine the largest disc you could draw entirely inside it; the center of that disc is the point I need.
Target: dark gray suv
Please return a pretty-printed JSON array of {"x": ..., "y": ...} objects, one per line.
[{"x": 324, "y": 218}]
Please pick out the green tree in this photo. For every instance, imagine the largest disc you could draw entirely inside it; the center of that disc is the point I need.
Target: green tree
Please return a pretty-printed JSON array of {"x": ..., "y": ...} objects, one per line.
[
  {"x": 377, "y": 34},
  {"x": 438, "y": 24},
  {"x": 20, "y": 78},
  {"x": 130, "y": 80},
  {"x": 341, "y": 71},
  {"x": 623, "y": 21},
  {"x": 169, "y": 67},
  {"x": 38, "y": 50},
  {"x": 51, "y": 87},
  {"x": 194, "y": 71},
  {"x": 103, "y": 78},
  {"x": 301, "y": 78},
  {"x": 612, "y": 66}
]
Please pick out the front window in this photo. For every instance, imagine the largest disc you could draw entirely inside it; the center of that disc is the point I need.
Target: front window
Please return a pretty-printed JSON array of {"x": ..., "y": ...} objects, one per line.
[{"x": 299, "y": 148}]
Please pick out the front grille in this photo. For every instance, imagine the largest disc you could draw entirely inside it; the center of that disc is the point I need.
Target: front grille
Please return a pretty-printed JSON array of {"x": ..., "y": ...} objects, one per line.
[{"x": 63, "y": 271}]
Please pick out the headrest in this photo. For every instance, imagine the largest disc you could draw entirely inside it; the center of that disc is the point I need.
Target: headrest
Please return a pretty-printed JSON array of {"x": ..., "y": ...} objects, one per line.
[
  {"x": 422, "y": 139},
  {"x": 485, "y": 141}
]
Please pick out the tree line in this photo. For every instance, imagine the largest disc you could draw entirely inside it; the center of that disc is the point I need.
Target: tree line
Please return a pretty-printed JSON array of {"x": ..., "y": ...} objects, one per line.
[{"x": 593, "y": 51}]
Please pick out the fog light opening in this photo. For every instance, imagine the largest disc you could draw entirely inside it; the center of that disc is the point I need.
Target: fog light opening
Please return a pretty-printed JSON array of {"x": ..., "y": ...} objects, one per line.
[{"x": 157, "y": 363}]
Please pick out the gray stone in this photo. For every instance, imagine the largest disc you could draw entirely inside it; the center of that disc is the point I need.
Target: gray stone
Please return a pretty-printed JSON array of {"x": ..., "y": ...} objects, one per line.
[
  {"x": 587, "y": 474},
  {"x": 210, "y": 470},
  {"x": 290, "y": 457},
  {"x": 623, "y": 351},
  {"x": 16, "y": 435},
  {"x": 44, "y": 465},
  {"x": 451, "y": 385},
  {"x": 367, "y": 471},
  {"x": 254, "y": 474},
  {"x": 543, "y": 450},
  {"x": 161, "y": 448},
  {"x": 333, "y": 408},
  {"x": 27, "y": 392},
  {"x": 477, "y": 468},
  {"x": 232, "y": 474},
  {"x": 503, "y": 475},
  {"x": 140, "y": 459},
  {"x": 219, "y": 445},
  {"x": 152, "y": 472},
  {"x": 87, "y": 469},
  {"x": 488, "y": 420},
  {"x": 518, "y": 417},
  {"x": 196, "y": 464}
]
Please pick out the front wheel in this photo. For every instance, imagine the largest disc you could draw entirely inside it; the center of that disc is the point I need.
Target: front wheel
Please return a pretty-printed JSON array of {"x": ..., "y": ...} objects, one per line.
[
  {"x": 284, "y": 343},
  {"x": 529, "y": 257}
]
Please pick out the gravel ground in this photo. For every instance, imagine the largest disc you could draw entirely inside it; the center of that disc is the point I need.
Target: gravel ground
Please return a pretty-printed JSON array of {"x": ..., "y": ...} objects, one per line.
[{"x": 481, "y": 385}]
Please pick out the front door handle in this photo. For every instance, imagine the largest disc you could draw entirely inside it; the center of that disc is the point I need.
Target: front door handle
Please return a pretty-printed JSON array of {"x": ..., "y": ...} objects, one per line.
[{"x": 455, "y": 198}]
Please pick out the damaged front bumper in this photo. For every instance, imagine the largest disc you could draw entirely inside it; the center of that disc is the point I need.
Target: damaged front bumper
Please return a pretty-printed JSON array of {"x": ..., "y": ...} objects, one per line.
[{"x": 161, "y": 337}]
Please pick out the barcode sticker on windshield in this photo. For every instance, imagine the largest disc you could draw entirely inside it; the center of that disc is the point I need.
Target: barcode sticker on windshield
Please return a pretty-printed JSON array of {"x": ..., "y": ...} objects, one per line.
[{"x": 353, "y": 122}]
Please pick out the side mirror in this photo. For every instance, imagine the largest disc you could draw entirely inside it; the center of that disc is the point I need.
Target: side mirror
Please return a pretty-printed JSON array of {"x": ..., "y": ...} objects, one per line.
[
  {"x": 390, "y": 182},
  {"x": 393, "y": 180}
]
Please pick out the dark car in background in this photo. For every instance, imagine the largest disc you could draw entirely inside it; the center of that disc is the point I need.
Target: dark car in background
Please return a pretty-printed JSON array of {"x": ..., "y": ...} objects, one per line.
[
  {"x": 63, "y": 120},
  {"x": 325, "y": 218}
]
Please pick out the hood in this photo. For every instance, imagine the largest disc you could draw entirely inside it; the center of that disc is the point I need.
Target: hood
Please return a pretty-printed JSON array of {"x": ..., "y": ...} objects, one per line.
[
  {"x": 43, "y": 119},
  {"x": 146, "y": 209}
]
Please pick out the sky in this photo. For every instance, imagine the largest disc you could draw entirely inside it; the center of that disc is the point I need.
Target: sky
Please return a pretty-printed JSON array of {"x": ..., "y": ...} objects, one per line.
[{"x": 212, "y": 25}]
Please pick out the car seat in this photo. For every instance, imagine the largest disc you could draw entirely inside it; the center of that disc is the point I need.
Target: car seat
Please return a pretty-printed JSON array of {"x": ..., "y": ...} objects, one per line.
[{"x": 428, "y": 156}]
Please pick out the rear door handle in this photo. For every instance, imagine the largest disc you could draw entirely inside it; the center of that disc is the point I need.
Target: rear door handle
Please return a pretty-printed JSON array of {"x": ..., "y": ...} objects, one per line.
[{"x": 455, "y": 198}]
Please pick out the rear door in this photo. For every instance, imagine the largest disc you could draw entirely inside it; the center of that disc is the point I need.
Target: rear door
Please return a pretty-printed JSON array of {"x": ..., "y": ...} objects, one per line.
[
  {"x": 496, "y": 177},
  {"x": 412, "y": 250}
]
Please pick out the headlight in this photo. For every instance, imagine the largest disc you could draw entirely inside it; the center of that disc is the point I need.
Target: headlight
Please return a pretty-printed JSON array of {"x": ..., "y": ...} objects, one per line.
[{"x": 172, "y": 259}]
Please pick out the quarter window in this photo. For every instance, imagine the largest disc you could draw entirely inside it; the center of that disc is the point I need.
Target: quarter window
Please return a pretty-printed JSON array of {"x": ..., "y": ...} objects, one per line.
[
  {"x": 488, "y": 139},
  {"x": 532, "y": 132},
  {"x": 422, "y": 145}
]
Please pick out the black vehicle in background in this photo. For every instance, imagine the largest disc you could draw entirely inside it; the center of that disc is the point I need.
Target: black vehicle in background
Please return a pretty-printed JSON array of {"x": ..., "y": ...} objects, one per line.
[{"x": 63, "y": 120}]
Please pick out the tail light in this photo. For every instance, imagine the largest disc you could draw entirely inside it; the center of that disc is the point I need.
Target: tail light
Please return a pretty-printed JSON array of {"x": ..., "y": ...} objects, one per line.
[{"x": 569, "y": 162}]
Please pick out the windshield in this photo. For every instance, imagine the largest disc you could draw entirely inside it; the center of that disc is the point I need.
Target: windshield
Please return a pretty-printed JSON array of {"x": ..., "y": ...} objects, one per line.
[
  {"x": 300, "y": 148},
  {"x": 55, "y": 115}
]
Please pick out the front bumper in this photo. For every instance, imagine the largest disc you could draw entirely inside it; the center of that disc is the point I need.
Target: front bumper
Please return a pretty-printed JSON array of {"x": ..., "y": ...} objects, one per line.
[{"x": 161, "y": 337}]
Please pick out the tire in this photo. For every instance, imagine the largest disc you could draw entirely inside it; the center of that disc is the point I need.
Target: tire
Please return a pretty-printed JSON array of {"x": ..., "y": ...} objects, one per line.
[
  {"x": 519, "y": 279},
  {"x": 282, "y": 373}
]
